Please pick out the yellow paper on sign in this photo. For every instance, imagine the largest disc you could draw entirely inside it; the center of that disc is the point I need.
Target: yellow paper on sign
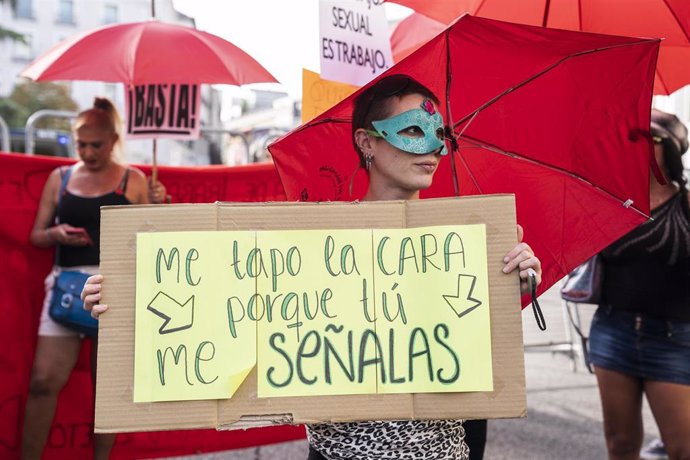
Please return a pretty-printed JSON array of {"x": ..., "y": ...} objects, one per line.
[
  {"x": 186, "y": 344},
  {"x": 319, "y": 95},
  {"x": 316, "y": 296},
  {"x": 433, "y": 309}
]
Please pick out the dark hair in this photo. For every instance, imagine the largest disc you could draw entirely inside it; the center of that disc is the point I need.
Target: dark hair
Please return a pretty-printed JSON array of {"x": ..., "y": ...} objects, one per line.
[
  {"x": 674, "y": 143},
  {"x": 667, "y": 125},
  {"x": 374, "y": 102},
  {"x": 102, "y": 114},
  {"x": 673, "y": 168}
]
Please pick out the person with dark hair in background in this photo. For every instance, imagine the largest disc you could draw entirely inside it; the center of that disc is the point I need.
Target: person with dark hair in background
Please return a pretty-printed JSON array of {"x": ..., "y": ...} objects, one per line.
[
  {"x": 98, "y": 179},
  {"x": 398, "y": 134},
  {"x": 640, "y": 335}
]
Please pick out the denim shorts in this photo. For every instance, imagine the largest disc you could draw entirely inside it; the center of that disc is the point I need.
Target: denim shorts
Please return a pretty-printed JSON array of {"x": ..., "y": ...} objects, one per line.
[{"x": 637, "y": 345}]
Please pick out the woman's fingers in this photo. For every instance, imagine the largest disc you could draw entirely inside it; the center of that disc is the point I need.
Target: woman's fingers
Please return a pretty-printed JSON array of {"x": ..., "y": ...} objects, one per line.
[
  {"x": 157, "y": 192},
  {"x": 520, "y": 253},
  {"x": 97, "y": 310},
  {"x": 91, "y": 286},
  {"x": 91, "y": 295},
  {"x": 522, "y": 258},
  {"x": 90, "y": 300}
]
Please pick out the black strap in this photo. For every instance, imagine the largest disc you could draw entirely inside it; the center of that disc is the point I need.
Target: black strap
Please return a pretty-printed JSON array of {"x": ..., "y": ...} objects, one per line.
[
  {"x": 538, "y": 315},
  {"x": 584, "y": 341},
  {"x": 65, "y": 174},
  {"x": 122, "y": 186}
]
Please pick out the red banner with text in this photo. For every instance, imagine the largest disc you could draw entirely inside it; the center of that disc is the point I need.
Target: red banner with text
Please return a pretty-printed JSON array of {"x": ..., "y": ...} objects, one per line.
[{"x": 21, "y": 284}]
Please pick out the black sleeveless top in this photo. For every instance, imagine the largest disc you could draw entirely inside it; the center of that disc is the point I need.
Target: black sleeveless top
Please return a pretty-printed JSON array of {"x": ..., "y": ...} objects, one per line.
[
  {"x": 85, "y": 212},
  {"x": 648, "y": 270}
]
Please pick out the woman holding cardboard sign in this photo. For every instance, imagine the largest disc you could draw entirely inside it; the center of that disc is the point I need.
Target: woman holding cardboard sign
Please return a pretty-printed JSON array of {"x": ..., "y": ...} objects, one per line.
[
  {"x": 398, "y": 135},
  {"x": 68, "y": 218}
]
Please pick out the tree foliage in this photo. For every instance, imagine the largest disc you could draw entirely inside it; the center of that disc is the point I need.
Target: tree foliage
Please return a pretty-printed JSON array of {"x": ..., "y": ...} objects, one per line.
[
  {"x": 28, "y": 97},
  {"x": 12, "y": 35},
  {"x": 9, "y": 33}
]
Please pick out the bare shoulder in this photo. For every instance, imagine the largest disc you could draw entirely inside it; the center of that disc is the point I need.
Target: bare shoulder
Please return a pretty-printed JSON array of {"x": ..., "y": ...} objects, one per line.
[
  {"x": 137, "y": 174},
  {"x": 54, "y": 179},
  {"x": 137, "y": 186}
]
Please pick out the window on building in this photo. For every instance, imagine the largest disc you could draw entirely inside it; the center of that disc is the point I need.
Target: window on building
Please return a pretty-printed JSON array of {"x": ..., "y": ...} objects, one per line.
[
  {"x": 110, "y": 14},
  {"x": 65, "y": 12},
  {"x": 24, "y": 9},
  {"x": 23, "y": 51}
]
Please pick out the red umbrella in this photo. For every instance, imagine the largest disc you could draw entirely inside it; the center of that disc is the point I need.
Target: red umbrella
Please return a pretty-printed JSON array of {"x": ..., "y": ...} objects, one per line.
[
  {"x": 148, "y": 52},
  {"x": 667, "y": 19},
  {"x": 559, "y": 118},
  {"x": 411, "y": 33}
]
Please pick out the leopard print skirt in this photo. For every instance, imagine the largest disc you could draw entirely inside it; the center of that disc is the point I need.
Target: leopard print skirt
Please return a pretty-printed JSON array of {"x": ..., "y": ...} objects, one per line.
[{"x": 390, "y": 440}]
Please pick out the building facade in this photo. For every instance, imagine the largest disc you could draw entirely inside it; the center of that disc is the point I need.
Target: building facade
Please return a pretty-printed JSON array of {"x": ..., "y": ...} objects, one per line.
[{"x": 45, "y": 23}]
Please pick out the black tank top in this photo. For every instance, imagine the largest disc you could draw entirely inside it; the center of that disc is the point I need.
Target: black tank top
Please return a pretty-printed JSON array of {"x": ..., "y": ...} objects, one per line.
[
  {"x": 648, "y": 270},
  {"x": 85, "y": 212}
]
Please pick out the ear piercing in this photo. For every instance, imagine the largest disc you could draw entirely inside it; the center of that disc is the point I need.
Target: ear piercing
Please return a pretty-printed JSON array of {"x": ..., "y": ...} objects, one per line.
[{"x": 368, "y": 160}]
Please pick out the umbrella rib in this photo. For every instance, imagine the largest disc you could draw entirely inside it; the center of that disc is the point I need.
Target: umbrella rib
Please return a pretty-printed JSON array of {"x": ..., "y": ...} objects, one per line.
[
  {"x": 479, "y": 7},
  {"x": 477, "y": 143},
  {"x": 544, "y": 71},
  {"x": 467, "y": 166},
  {"x": 545, "y": 16},
  {"x": 325, "y": 120},
  {"x": 134, "y": 56},
  {"x": 677, "y": 20},
  {"x": 310, "y": 124},
  {"x": 449, "y": 114}
]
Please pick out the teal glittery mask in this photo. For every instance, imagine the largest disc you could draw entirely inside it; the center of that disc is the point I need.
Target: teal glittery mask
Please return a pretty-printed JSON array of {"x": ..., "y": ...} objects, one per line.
[{"x": 418, "y": 131}]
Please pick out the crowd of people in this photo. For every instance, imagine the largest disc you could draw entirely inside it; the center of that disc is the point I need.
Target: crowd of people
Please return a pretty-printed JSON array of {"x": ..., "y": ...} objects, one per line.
[{"x": 640, "y": 337}]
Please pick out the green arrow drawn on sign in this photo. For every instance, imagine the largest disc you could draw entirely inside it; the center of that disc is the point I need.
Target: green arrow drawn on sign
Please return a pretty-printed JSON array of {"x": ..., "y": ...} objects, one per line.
[
  {"x": 462, "y": 303},
  {"x": 175, "y": 315}
]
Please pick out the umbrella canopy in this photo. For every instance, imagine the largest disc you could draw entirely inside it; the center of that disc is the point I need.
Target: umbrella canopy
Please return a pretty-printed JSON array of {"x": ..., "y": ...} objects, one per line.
[
  {"x": 559, "y": 118},
  {"x": 667, "y": 19},
  {"x": 411, "y": 33},
  {"x": 148, "y": 52}
]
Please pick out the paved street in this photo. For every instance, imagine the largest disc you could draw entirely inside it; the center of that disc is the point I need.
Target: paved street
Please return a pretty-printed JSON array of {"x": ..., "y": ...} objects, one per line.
[{"x": 564, "y": 417}]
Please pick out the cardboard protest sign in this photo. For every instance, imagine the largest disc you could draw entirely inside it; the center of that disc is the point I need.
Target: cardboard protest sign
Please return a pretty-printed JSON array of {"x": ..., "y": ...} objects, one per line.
[
  {"x": 174, "y": 321},
  {"x": 313, "y": 256},
  {"x": 320, "y": 312},
  {"x": 354, "y": 40},
  {"x": 319, "y": 94},
  {"x": 163, "y": 111}
]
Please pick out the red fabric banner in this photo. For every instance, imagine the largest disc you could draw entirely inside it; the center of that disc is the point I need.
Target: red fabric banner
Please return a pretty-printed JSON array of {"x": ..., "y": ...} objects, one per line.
[{"x": 21, "y": 287}]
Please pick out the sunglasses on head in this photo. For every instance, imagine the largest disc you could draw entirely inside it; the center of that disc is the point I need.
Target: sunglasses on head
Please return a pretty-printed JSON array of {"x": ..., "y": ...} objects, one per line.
[{"x": 95, "y": 145}]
